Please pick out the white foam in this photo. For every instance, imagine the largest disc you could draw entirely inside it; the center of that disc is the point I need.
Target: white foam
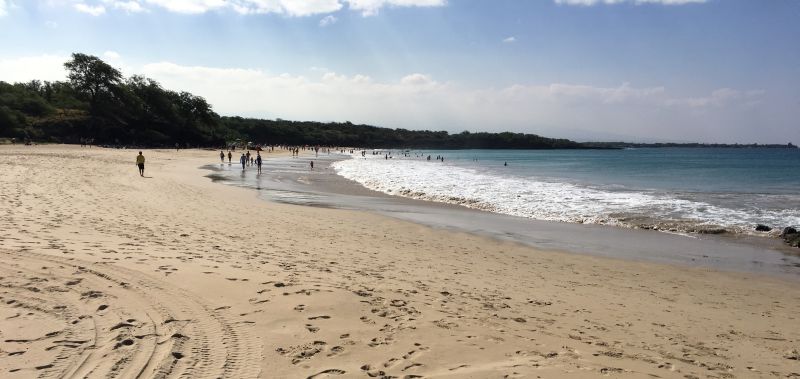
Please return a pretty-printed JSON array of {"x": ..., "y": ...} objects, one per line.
[{"x": 543, "y": 199}]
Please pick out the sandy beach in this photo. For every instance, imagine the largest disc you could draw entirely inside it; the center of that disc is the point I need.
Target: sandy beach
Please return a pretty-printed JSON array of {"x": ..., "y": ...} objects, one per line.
[{"x": 107, "y": 274}]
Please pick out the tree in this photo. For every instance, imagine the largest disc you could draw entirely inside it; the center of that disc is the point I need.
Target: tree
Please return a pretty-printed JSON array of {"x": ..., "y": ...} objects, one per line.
[{"x": 92, "y": 78}]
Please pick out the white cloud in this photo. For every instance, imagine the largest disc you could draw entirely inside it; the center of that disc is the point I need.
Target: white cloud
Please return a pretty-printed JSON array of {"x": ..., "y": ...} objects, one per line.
[
  {"x": 720, "y": 98},
  {"x": 189, "y": 6},
  {"x": 309, "y": 7},
  {"x": 511, "y": 39},
  {"x": 94, "y": 10},
  {"x": 50, "y": 24},
  {"x": 296, "y": 8},
  {"x": 130, "y": 6},
  {"x": 111, "y": 55},
  {"x": 371, "y": 7},
  {"x": 43, "y": 67},
  {"x": 3, "y": 8},
  {"x": 417, "y": 80},
  {"x": 637, "y": 2},
  {"x": 287, "y": 7},
  {"x": 328, "y": 20}
]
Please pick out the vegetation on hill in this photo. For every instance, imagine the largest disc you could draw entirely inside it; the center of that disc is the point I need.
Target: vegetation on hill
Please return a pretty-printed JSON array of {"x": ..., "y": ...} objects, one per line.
[{"x": 100, "y": 104}]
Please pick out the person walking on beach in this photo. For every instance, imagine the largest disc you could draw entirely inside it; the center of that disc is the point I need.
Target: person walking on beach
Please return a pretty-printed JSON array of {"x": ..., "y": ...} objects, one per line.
[
  {"x": 258, "y": 162},
  {"x": 221, "y": 157},
  {"x": 243, "y": 160},
  {"x": 140, "y": 163},
  {"x": 248, "y": 157},
  {"x": 229, "y": 157},
  {"x": 312, "y": 165}
]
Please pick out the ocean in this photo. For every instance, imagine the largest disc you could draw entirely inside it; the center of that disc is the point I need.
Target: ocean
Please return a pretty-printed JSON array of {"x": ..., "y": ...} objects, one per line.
[{"x": 680, "y": 190}]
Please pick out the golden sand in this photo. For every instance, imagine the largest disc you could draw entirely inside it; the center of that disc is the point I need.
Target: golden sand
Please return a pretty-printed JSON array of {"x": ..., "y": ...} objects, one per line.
[{"x": 107, "y": 274}]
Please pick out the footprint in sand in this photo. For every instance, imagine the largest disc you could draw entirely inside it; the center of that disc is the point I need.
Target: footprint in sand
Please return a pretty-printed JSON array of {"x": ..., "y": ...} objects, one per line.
[
  {"x": 327, "y": 373},
  {"x": 336, "y": 350},
  {"x": 372, "y": 373}
]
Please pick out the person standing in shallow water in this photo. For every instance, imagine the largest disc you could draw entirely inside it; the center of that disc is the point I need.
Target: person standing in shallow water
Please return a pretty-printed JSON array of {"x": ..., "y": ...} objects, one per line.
[
  {"x": 140, "y": 163},
  {"x": 243, "y": 160},
  {"x": 221, "y": 157},
  {"x": 229, "y": 157},
  {"x": 258, "y": 162}
]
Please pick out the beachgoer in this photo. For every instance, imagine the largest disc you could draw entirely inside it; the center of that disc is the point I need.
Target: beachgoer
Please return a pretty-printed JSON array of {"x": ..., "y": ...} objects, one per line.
[
  {"x": 505, "y": 163},
  {"x": 140, "y": 163},
  {"x": 243, "y": 160},
  {"x": 229, "y": 157},
  {"x": 248, "y": 157},
  {"x": 312, "y": 165},
  {"x": 258, "y": 162},
  {"x": 221, "y": 157}
]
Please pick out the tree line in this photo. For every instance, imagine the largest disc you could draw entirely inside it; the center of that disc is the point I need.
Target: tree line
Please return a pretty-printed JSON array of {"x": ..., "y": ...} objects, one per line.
[{"x": 98, "y": 103}]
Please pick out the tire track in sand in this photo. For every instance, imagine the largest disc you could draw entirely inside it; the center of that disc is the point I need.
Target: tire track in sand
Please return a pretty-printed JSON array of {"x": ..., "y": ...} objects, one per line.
[{"x": 111, "y": 322}]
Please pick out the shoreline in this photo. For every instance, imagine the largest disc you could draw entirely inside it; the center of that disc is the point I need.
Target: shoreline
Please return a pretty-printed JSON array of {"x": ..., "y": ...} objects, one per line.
[
  {"x": 106, "y": 273},
  {"x": 294, "y": 184}
]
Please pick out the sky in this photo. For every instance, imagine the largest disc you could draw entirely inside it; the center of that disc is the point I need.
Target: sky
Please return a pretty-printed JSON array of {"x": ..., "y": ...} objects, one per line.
[{"x": 636, "y": 70}]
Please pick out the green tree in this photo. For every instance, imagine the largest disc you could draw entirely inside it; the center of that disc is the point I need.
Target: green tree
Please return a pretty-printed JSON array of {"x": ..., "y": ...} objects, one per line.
[{"x": 93, "y": 79}]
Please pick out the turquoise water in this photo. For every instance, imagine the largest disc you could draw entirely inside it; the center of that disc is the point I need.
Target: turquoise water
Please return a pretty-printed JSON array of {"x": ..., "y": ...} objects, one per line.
[
  {"x": 678, "y": 189},
  {"x": 714, "y": 170}
]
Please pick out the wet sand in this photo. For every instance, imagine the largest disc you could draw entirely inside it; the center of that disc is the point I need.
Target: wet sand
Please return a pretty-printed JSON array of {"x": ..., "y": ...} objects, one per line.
[
  {"x": 106, "y": 274},
  {"x": 289, "y": 180}
]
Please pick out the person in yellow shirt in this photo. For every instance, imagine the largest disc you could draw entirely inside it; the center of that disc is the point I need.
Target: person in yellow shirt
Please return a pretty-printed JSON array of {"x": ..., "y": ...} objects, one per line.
[{"x": 140, "y": 163}]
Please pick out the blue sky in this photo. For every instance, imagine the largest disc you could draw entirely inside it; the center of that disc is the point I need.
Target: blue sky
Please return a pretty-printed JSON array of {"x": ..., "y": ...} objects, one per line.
[{"x": 646, "y": 70}]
